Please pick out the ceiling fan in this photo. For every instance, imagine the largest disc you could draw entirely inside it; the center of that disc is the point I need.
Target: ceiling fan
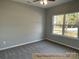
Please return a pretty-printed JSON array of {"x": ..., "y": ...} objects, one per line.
[{"x": 43, "y": 2}]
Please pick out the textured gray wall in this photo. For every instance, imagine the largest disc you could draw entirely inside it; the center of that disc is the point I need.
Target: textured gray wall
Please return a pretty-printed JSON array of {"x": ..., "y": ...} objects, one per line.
[
  {"x": 19, "y": 23},
  {"x": 60, "y": 9}
]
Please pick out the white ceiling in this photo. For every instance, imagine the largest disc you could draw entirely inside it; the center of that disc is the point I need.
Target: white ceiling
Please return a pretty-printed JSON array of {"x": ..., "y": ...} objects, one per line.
[{"x": 50, "y": 4}]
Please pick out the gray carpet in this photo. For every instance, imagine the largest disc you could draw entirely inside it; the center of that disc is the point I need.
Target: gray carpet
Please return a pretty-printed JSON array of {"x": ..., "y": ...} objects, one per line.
[{"x": 25, "y": 51}]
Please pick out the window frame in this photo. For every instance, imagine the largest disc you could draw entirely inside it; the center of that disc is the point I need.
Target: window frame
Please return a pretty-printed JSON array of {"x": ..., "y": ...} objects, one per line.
[
  {"x": 57, "y": 24},
  {"x": 63, "y": 26}
]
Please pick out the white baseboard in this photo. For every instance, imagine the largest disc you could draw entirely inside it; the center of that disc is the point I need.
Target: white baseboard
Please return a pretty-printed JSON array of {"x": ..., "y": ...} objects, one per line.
[
  {"x": 20, "y": 45},
  {"x": 63, "y": 44}
]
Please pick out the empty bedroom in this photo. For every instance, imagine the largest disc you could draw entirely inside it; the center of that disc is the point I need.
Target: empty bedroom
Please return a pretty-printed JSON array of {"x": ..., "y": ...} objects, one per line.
[{"x": 39, "y": 29}]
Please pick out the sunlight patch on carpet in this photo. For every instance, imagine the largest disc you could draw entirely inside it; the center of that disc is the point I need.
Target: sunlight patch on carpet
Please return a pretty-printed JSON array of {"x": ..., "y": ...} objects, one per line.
[{"x": 54, "y": 56}]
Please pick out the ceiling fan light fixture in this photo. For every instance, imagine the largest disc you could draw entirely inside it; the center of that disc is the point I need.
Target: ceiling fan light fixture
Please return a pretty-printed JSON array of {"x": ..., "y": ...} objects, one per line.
[{"x": 43, "y": 2}]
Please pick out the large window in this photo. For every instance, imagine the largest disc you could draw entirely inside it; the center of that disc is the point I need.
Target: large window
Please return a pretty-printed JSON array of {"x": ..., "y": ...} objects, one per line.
[{"x": 66, "y": 24}]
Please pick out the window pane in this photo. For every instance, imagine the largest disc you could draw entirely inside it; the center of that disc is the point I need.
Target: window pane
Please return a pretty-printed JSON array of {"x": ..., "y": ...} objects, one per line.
[
  {"x": 71, "y": 28},
  {"x": 71, "y": 19},
  {"x": 71, "y": 31},
  {"x": 57, "y": 24},
  {"x": 57, "y": 29},
  {"x": 58, "y": 20}
]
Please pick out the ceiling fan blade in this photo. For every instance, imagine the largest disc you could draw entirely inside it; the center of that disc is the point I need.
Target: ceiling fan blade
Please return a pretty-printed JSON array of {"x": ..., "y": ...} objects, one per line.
[
  {"x": 51, "y": 0},
  {"x": 39, "y": 0},
  {"x": 36, "y": 0}
]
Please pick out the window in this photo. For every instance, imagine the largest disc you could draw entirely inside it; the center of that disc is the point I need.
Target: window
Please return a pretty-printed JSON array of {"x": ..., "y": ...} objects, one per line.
[
  {"x": 66, "y": 24},
  {"x": 58, "y": 23}
]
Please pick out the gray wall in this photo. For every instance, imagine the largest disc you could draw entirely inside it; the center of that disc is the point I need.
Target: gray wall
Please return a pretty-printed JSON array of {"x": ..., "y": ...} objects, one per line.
[
  {"x": 60, "y": 9},
  {"x": 19, "y": 23}
]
